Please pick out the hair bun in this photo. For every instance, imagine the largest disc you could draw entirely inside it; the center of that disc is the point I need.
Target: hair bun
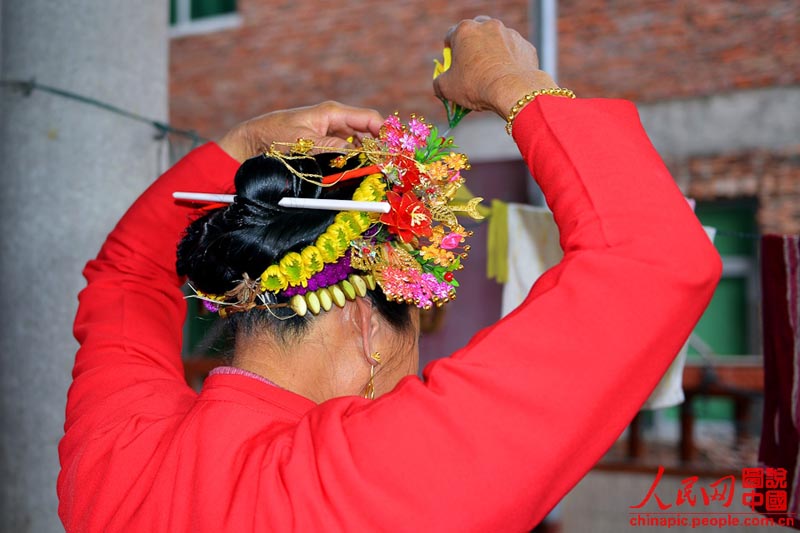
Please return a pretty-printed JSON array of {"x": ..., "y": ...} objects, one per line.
[{"x": 254, "y": 232}]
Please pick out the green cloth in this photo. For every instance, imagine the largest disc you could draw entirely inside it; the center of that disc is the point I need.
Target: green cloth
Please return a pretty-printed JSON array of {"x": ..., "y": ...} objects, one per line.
[{"x": 497, "y": 243}]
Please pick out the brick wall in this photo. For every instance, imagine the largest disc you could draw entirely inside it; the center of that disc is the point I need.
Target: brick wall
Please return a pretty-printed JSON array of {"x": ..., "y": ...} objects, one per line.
[
  {"x": 665, "y": 49},
  {"x": 772, "y": 177},
  {"x": 379, "y": 54},
  {"x": 372, "y": 53}
]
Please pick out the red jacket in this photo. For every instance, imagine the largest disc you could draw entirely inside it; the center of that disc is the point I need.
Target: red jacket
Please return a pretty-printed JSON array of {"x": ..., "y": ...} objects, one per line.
[{"x": 492, "y": 437}]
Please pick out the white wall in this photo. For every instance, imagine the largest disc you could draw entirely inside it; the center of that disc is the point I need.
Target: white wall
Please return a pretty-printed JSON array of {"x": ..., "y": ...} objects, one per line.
[{"x": 68, "y": 171}]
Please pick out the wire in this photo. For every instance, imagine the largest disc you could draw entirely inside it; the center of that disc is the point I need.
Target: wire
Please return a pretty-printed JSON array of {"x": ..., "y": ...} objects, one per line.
[
  {"x": 738, "y": 234},
  {"x": 163, "y": 128}
]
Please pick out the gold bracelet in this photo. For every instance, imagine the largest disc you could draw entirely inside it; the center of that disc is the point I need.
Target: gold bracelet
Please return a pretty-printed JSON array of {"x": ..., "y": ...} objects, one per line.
[{"x": 528, "y": 98}]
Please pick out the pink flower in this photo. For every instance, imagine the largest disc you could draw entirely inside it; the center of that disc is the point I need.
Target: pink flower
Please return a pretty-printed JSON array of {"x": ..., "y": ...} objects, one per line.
[
  {"x": 408, "y": 142},
  {"x": 392, "y": 122},
  {"x": 421, "y": 288},
  {"x": 419, "y": 128},
  {"x": 392, "y": 138},
  {"x": 451, "y": 240}
]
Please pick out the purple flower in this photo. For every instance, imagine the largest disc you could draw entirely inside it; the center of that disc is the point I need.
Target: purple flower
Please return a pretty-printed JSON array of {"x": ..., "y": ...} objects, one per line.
[{"x": 330, "y": 274}]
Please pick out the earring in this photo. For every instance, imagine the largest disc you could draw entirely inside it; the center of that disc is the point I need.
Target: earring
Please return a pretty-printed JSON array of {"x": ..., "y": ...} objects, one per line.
[{"x": 369, "y": 390}]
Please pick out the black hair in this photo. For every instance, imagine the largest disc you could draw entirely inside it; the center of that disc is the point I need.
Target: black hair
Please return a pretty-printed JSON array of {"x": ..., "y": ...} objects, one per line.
[{"x": 255, "y": 232}]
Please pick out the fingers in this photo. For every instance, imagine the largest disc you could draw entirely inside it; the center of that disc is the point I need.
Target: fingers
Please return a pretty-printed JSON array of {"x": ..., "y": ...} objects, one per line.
[
  {"x": 329, "y": 124},
  {"x": 334, "y": 142},
  {"x": 344, "y": 120},
  {"x": 448, "y": 38}
]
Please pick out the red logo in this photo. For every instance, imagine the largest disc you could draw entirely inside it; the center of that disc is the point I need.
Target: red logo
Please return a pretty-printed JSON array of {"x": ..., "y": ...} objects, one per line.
[{"x": 764, "y": 488}]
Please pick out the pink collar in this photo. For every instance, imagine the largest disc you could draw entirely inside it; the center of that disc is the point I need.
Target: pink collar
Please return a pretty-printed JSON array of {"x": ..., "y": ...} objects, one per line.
[{"x": 241, "y": 372}]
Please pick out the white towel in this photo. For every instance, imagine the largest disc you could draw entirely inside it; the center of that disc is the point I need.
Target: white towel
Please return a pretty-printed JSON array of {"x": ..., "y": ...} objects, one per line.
[{"x": 535, "y": 249}]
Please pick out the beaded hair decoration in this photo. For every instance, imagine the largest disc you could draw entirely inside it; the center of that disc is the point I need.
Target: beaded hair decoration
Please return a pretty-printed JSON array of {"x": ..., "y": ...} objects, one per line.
[{"x": 411, "y": 250}]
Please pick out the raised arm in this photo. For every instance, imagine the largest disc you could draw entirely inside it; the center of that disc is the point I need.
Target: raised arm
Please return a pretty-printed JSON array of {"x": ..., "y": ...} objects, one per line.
[
  {"x": 500, "y": 431},
  {"x": 494, "y": 435}
]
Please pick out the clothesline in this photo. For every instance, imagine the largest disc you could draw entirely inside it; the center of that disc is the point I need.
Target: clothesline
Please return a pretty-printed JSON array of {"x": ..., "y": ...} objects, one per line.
[
  {"x": 162, "y": 128},
  {"x": 739, "y": 234}
]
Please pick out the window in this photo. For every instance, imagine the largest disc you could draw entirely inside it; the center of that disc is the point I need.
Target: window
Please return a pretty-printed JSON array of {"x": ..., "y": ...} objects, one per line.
[
  {"x": 730, "y": 325},
  {"x": 202, "y": 16}
]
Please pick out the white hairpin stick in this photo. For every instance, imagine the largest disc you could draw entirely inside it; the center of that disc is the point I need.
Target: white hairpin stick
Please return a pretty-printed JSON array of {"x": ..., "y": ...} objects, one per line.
[
  {"x": 204, "y": 197},
  {"x": 335, "y": 205},
  {"x": 299, "y": 203}
]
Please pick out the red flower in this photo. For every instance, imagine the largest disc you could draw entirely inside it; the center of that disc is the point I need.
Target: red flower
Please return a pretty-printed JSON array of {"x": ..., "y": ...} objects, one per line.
[
  {"x": 408, "y": 216},
  {"x": 409, "y": 174}
]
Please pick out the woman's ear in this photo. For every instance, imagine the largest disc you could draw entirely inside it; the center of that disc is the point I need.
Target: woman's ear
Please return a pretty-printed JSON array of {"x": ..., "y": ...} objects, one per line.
[{"x": 368, "y": 324}]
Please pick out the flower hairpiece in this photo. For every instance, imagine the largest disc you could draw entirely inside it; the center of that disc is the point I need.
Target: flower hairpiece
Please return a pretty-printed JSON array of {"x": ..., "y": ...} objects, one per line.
[{"x": 412, "y": 251}]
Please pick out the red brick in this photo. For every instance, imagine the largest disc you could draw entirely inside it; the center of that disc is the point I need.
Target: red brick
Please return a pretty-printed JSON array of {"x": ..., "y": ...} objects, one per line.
[{"x": 286, "y": 54}]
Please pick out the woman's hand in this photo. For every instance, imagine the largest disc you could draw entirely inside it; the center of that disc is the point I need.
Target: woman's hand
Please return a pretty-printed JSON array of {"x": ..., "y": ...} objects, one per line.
[
  {"x": 492, "y": 67},
  {"x": 327, "y": 124}
]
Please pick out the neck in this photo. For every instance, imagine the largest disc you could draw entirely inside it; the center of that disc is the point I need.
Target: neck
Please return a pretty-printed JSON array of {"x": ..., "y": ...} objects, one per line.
[{"x": 318, "y": 367}]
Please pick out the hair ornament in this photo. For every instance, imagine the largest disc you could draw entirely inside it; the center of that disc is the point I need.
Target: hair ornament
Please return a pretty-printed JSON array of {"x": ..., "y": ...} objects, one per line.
[{"x": 399, "y": 231}]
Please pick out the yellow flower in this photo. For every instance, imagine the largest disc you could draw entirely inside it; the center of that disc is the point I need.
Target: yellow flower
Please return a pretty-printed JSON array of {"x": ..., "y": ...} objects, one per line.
[
  {"x": 273, "y": 279},
  {"x": 456, "y": 161},
  {"x": 437, "y": 255},
  {"x": 437, "y": 171},
  {"x": 371, "y": 189},
  {"x": 437, "y": 233},
  {"x": 440, "y": 68},
  {"x": 327, "y": 247},
  {"x": 345, "y": 225},
  {"x": 376, "y": 179},
  {"x": 364, "y": 193},
  {"x": 292, "y": 267},
  {"x": 339, "y": 235},
  {"x": 312, "y": 260},
  {"x": 351, "y": 222},
  {"x": 363, "y": 221}
]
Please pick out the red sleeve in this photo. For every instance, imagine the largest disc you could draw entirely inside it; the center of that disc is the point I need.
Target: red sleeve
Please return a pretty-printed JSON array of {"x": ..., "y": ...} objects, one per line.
[
  {"x": 132, "y": 310},
  {"x": 491, "y": 439},
  {"x": 504, "y": 428}
]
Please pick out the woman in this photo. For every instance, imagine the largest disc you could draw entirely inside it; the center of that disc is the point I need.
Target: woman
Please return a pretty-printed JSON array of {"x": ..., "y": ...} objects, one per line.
[{"x": 492, "y": 437}]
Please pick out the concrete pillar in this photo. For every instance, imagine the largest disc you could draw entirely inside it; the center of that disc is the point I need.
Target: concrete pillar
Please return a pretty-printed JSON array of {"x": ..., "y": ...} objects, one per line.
[{"x": 68, "y": 172}]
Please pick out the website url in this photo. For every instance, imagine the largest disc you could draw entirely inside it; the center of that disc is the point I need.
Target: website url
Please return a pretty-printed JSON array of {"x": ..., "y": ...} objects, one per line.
[{"x": 669, "y": 520}]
